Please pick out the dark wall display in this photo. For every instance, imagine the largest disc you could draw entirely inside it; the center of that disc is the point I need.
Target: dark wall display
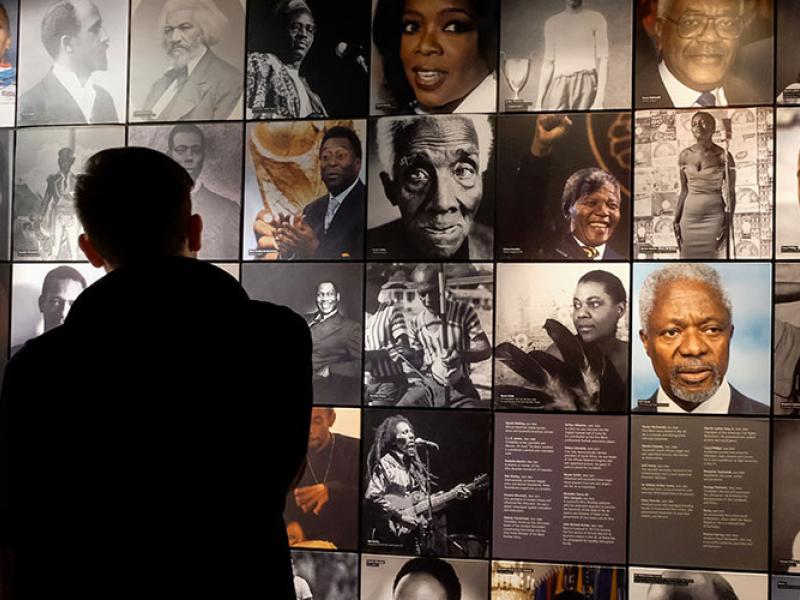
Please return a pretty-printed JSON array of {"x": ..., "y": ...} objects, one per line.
[
  {"x": 491, "y": 215},
  {"x": 699, "y": 487}
]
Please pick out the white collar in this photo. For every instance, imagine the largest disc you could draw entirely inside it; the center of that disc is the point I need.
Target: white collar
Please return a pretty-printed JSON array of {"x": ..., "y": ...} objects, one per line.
[
  {"x": 83, "y": 94},
  {"x": 683, "y": 96},
  {"x": 324, "y": 317},
  {"x": 339, "y": 198},
  {"x": 483, "y": 98},
  {"x": 718, "y": 404},
  {"x": 601, "y": 249}
]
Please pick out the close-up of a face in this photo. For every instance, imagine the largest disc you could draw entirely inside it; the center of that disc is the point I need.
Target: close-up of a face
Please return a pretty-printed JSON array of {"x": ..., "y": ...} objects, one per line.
[
  {"x": 595, "y": 216},
  {"x": 419, "y": 586},
  {"x": 703, "y": 126},
  {"x": 187, "y": 150},
  {"x": 437, "y": 183},
  {"x": 404, "y": 437},
  {"x": 300, "y": 35},
  {"x": 89, "y": 48},
  {"x": 439, "y": 51},
  {"x": 65, "y": 160},
  {"x": 327, "y": 298},
  {"x": 339, "y": 165},
  {"x": 183, "y": 38},
  {"x": 319, "y": 434},
  {"x": 688, "y": 339},
  {"x": 702, "y": 60},
  {"x": 55, "y": 302},
  {"x": 594, "y": 313}
]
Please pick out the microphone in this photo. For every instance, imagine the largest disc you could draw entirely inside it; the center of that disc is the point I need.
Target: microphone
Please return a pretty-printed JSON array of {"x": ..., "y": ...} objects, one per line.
[
  {"x": 421, "y": 442},
  {"x": 345, "y": 50}
]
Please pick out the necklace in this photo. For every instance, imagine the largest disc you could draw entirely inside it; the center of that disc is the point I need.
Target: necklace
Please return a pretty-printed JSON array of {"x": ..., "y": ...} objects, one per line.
[{"x": 328, "y": 468}]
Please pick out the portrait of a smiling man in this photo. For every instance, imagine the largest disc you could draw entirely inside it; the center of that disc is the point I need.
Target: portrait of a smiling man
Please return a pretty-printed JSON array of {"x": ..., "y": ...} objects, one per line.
[
  {"x": 686, "y": 326},
  {"x": 432, "y": 170}
]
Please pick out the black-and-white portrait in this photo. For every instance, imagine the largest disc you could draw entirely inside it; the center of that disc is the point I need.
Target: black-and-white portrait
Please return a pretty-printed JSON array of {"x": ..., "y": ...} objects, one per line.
[
  {"x": 6, "y": 169},
  {"x": 74, "y": 58},
  {"x": 431, "y": 191},
  {"x": 329, "y": 297},
  {"x": 406, "y": 578},
  {"x": 565, "y": 55},
  {"x": 408, "y": 454},
  {"x": 325, "y": 575},
  {"x": 562, "y": 337},
  {"x": 304, "y": 190},
  {"x": 434, "y": 56},
  {"x": 45, "y": 225},
  {"x": 786, "y": 341},
  {"x": 211, "y": 153},
  {"x": 676, "y": 584},
  {"x": 409, "y": 358},
  {"x": 788, "y": 66},
  {"x": 307, "y": 58},
  {"x": 787, "y": 186},
  {"x": 703, "y": 184},
  {"x": 693, "y": 54},
  {"x": 43, "y": 295},
  {"x": 785, "y": 477},
  {"x": 8, "y": 61},
  {"x": 186, "y": 60},
  {"x": 563, "y": 186}
]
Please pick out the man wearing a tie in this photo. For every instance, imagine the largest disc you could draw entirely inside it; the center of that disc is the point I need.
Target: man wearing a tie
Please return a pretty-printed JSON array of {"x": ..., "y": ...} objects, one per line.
[
  {"x": 697, "y": 41},
  {"x": 199, "y": 86}
]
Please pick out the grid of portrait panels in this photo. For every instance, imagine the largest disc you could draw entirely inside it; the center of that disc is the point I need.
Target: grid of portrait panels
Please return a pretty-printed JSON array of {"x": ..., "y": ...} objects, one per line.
[{"x": 544, "y": 250}]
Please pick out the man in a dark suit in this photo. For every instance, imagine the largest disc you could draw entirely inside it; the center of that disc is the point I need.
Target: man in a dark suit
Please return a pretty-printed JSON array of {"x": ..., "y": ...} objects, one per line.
[
  {"x": 199, "y": 86},
  {"x": 331, "y": 226},
  {"x": 687, "y": 327},
  {"x": 336, "y": 354},
  {"x": 66, "y": 95},
  {"x": 155, "y": 458},
  {"x": 698, "y": 45}
]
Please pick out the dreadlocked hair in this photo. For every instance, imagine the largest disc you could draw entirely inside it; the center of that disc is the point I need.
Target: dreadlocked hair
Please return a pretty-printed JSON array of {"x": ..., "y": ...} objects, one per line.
[{"x": 384, "y": 442}]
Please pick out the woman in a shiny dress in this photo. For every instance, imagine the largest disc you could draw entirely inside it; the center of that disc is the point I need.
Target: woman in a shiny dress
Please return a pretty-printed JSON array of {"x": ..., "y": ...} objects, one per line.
[{"x": 703, "y": 213}]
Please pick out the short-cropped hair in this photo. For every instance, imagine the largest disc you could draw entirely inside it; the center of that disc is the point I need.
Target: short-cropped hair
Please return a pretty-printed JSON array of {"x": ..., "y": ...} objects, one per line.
[
  {"x": 134, "y": 204},
  {"x": 60, "y": 19},
  {"x": 346, "y": 133},
  {"x": 391, "y": 129},
  {"x": 437, "y": 568},
  {"x": 583, "y": 183},
  {"x": 207, "y": 17},
  {"x": 610, "y": 282},
  {"x": 64, "y": 272},
  {"x": 679, "y": 272},
  {"x": 185, "y": 128}
]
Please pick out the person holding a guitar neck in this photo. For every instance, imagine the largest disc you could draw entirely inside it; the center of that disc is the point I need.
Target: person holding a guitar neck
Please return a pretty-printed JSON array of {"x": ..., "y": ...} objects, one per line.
[{"x": 398, "y": 488}]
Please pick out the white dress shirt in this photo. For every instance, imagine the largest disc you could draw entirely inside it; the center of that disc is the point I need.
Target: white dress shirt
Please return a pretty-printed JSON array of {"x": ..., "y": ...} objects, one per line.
[
  {"x": 172, "y": 90},
  {"x": 334, "y": 202},
  {"x": 718, "y": 404},
  {"x": 482, "y": 99},
  {"x": 83, "y": 94},
  {"x": 684, "y": 96}
]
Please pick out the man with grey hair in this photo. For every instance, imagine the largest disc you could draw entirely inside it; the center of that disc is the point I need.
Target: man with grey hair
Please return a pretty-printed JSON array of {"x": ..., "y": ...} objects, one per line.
[
  {"x": 697, "y": 41},
  {"x": 73, "y": 34},
  {"x": 687, "y": 326},
  {"x": 698, "y": 586},
  {"x": 199, "y": 85},
  {"x": 433, "y": 173}
]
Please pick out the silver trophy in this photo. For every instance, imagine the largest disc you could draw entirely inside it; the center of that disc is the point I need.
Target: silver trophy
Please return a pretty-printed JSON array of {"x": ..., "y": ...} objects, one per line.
[{"x": 516, "y": 71}]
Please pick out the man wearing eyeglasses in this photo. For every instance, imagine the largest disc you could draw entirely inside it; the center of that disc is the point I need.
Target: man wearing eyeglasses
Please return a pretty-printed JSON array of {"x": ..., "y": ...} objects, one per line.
[{"x": 697, "y": 41}]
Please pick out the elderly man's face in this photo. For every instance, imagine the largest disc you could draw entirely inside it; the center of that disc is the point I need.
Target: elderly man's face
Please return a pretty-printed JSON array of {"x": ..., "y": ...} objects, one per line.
[
  {"x": 183, "y": 38},
  {"x": 187, "y": 150},
  {"x": 688, "y": 339},
  {"x": 90, "y": 45},
  {"x": 55, "y": 302},
  {"x": 419, "y": 586},
  {"x": 301, "y": 35},
  {"x": 595, "y": 216},
  {"x": 702, "y": 61},
  {"x": 437, "y": 183},
  {"x": 327, "y": 298}
]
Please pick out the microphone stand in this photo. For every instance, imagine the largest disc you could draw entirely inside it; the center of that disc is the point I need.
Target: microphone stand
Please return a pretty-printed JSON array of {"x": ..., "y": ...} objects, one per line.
[{"x": 429, "y": 528}]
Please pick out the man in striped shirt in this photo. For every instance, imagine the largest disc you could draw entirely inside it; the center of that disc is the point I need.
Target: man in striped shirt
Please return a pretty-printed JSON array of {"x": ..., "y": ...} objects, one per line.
[
  {"x": 444, "y": 353},
  {"x": 385, "y": 341}
]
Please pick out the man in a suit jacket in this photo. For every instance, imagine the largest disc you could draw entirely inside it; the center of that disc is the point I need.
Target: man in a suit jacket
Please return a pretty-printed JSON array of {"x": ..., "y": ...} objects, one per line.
[
  {"x": 331, "y": 226},
  {"x": 336, "y": 351},
  {"x": 687, "y": 328},
  {"x": 199, "y": 86},
  {"x": 66, "y": 95},
  {"x": 698, "y": 52}
]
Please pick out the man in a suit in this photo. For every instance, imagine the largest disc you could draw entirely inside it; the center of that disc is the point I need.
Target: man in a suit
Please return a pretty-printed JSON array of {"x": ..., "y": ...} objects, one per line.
[
  {"x": 332, "y": 226},
  {"x": 687, "y": 327},
  {"x": 72, "y": 32},
  {"x": 336, "y": 352},
  {"x": 698, "y": 41},
  {"x": 199, "y": 86}
]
